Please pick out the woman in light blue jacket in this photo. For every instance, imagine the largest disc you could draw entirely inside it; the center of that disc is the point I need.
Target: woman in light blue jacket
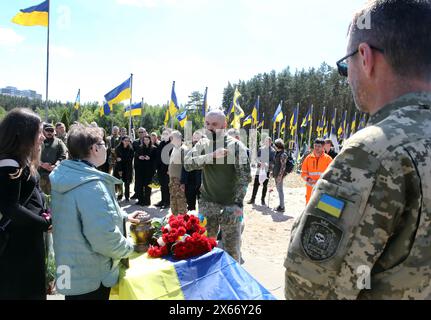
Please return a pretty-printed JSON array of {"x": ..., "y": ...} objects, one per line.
[{"x": 88, "y": 224}]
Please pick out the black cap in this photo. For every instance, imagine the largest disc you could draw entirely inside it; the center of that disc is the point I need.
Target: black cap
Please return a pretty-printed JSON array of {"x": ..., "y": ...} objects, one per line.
[{"x": 47, "y": 125}]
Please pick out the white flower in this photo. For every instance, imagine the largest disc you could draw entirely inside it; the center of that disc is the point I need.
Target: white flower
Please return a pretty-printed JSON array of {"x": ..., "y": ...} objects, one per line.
[
  {"x": 160, "y": 242},
  {"x": 168, "y": 227}
]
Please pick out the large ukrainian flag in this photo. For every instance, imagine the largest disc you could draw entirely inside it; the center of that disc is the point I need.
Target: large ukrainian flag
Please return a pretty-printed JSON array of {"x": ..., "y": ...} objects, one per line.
[
  {"x": 212, "y": 276},
  {"x": 33, "y": 16},
  {"x": 120, "y": 93}
]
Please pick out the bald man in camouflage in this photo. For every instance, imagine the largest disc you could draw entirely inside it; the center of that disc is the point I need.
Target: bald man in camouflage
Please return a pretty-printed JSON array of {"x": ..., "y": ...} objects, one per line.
[
  {"x": 225, "y": 177},
  {"x": 366, "y": 232}
]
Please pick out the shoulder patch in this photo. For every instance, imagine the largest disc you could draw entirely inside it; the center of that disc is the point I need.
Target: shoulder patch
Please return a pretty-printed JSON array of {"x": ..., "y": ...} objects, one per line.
[{"x": 320, "y": 238}]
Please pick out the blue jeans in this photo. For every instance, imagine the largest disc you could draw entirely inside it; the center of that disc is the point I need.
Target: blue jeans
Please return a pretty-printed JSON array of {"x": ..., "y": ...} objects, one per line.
[{"x": 279, "y": 187}]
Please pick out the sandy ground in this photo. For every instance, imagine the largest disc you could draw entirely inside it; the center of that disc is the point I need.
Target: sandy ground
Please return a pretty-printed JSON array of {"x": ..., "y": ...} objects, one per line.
[{"x": 266, "y": 234}]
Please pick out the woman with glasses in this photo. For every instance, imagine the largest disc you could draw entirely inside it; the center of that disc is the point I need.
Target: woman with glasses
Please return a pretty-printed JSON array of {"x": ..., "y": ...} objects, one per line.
[
  {"x": 124, "y": 165},
  {"x": 89, "y": 225}
]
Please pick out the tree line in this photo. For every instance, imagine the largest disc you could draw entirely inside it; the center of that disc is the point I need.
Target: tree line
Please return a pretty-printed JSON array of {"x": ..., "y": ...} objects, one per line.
[{"x": 321, "y": 87}]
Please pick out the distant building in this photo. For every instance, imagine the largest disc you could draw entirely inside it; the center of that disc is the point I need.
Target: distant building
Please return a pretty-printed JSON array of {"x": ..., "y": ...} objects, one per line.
[{"x": 14, "y": 92}]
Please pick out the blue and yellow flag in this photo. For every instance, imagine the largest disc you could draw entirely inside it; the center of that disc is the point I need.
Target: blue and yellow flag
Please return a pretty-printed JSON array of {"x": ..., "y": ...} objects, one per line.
[
  {"x": 262, "y": 122},
  {"x": 78, "y": 100},
  {"x": 205, "y": 105},
  {"x": 173, "y": 104},
  {"x": 321, "y": 124},
  {"x": 212, "y": 276},
  {"x": 353, "y": 125},
  {"x": 33, "y": 16},
  {"x": 283, "y": 129},
  {"x": 306, "y": 121},
  {"x": 255, "y": 112},
  {"x": 120, "y": 93},
  {"x": 238, "y": 113},
  {"x": 342, "y": 129},
  {"x": 247, "y": 121},
  {"x": 133, "y": 110},
  {"x": 362, "y": 122},
  {"x": 294, "y": 121},
  {"x": 331, "y": 205},
  {"x": 105, "y": 110},
  {"x": 182, "y": 118},
  {"x": 165, "y": 122},
  {"x": 333, "y": 123},
  {"x": 278, "y": 115}
]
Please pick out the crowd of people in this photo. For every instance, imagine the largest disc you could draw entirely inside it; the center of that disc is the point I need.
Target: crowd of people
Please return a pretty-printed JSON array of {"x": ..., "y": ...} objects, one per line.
[{"x": 84, "y": 176}]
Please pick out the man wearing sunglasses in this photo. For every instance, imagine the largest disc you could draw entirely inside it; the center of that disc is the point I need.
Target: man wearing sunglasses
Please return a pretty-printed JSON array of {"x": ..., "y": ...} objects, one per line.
[
  {"x": 53, "y": 151},
  {"x": 366, "y": 232}
]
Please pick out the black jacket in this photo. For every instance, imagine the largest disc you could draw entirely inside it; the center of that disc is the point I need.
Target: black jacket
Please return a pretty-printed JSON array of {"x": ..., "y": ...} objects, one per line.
[
  {"x": 162, "y": 168},
  {"x": 145, "y": 168},
  {"x": 22, "y": 265},
  {"x": 125, "y": 166}
]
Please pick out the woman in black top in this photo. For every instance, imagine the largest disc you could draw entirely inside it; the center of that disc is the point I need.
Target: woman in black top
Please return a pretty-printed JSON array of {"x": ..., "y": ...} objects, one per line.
[
  {"x": 23, "y": 218},
  {"x": 124, "y": 165},
  {"x": 145, "y": 162}
]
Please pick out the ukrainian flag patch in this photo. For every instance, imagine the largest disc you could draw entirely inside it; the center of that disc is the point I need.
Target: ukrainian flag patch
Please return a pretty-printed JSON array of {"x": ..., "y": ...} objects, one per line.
[{"x": 331, "y": 205}]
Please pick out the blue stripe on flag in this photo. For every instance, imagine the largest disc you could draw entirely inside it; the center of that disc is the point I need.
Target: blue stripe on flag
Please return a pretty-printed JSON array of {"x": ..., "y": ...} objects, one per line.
[
  {"x": 333, "y": 202},
  {"x": 217, "y": 276},
  {"x": 42, "y": 7}
]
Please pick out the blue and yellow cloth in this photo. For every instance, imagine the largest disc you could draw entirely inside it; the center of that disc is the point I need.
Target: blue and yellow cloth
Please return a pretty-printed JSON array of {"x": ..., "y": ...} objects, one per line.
[{"x": 212, "y": 276}]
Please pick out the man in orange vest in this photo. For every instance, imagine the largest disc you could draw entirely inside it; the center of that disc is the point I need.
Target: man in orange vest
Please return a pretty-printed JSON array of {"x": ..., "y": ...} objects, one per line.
[{"x": 314, "y": 166}]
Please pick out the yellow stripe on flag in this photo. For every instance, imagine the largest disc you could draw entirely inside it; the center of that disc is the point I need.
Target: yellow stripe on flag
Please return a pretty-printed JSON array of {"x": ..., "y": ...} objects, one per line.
[
  {"x": 36, "y": 18},
  {"x": 329, "y": 209},
  {"x": 148, "y": 279}
]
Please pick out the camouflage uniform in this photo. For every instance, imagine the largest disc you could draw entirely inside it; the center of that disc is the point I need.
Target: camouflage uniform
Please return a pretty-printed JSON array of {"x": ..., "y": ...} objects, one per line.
[
  {"x": 221, "y": 203},
  {"x": 371, "y": 211},
  {"x": 53, "y": 151},
  {"x": 177, "y": 196}
]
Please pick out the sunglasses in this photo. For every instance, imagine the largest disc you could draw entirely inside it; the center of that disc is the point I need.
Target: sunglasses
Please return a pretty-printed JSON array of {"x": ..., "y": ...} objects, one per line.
[
  {"x": 342, "y": 65},
  {"x": 49, "y": 130}
]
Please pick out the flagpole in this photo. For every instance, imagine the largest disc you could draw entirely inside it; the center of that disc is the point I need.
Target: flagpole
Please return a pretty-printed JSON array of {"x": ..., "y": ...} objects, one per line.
[
  {"x": 77, "y": 111},
  {"x": 47, "y": 65},
  {"x": 296, "y": 131},
  {"x": 279, "y": 124},
  {"x": 258, "y": 120},
  {"x": 130, "y": 111},
  {"x": 142, "y": 112}
]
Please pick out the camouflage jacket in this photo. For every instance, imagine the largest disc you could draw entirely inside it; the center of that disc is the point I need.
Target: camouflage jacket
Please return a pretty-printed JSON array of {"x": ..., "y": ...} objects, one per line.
[
  {"x": 366, "y": 232},
  {"x": 225, "y": 181}
]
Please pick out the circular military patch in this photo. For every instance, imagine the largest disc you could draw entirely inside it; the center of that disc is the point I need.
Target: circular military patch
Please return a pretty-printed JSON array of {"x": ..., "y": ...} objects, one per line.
[{"x": 320, "y": 238}]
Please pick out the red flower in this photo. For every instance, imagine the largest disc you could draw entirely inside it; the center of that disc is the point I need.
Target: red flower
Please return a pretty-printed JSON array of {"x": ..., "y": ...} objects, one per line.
[{"x": 182, "y": 231}]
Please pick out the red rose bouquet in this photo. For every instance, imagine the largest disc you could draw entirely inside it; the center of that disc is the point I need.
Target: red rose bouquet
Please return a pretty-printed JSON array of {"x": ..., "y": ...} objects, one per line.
[{"x": 183, "y": 235}]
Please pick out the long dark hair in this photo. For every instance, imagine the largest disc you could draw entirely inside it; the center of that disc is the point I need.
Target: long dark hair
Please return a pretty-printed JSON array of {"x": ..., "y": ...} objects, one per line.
[
  {"x": 143, "y": 143},
  {"x": 19, "y": 132}
]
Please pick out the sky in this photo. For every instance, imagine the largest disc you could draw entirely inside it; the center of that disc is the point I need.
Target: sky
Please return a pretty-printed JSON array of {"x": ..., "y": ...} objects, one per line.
[{"x": 96, "y": 44}]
